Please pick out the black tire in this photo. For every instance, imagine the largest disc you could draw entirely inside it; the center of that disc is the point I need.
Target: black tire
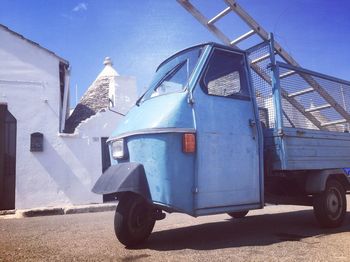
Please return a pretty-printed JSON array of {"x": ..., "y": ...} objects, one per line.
[
  {"x": 133, "y": 220},
  {"x": 238, "y": 214},
  {"x": 330, "y": 205}
]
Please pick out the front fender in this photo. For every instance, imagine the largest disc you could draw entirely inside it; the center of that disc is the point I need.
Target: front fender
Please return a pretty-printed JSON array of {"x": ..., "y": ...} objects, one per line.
[{"x": 125, "y": 177}]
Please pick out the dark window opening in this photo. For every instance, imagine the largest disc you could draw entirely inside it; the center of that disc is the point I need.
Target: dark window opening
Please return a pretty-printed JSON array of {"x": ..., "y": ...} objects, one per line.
[
  {"x": 62, "y": 84},
  {"x": 106, "y": 163},
  {"x": 225, "y": 75},
  {"x": 62, "y": 81}
]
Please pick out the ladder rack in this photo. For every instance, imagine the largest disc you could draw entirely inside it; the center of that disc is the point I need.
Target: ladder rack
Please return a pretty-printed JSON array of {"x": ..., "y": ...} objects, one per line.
[{"x": 312, "y": 86}]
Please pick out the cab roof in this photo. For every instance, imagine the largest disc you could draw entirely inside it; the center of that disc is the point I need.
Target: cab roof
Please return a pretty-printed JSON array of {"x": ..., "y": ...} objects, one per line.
[{"x": 213, "y": 44}]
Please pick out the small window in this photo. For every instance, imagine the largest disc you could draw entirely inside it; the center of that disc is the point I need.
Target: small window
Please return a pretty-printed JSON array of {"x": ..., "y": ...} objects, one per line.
[{"x": 225, "y": 75}]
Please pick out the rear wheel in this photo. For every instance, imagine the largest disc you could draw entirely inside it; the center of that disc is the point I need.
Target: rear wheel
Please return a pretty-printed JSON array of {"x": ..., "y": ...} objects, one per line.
[
  {"x": 238, "y": 214},
  {"x": 330, "y": 205},
  {"x": 133, "y": 220}
]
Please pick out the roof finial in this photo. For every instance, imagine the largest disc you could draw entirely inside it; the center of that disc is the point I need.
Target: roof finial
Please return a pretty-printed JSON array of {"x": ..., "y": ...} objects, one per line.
[
  {"x": 108, "y": 61},
  {"x": 108, "y": 70}
]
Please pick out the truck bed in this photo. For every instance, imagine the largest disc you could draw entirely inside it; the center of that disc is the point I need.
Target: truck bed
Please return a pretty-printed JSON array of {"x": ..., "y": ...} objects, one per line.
[{"x": 304, "y": 149}]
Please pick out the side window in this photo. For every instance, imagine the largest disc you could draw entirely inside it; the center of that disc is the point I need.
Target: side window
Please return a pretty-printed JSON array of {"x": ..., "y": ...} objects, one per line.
[{"x": 225, "y": 75}]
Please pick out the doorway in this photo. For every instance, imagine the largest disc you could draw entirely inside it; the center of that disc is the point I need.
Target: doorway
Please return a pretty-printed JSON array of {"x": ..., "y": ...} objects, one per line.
[
  {"x": 8, "y": 133},
  {"x": 106, "y": 163}
]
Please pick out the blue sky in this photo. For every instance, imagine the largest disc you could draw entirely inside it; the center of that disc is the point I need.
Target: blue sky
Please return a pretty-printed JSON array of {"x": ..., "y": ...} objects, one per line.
[{"x": 139, "y": 34}]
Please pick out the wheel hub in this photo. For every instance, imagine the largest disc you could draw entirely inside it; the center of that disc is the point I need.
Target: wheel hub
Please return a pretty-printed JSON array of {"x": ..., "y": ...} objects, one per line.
[
  {"x": 334, "y": 203},
  {"x": 140, "y": 217}
]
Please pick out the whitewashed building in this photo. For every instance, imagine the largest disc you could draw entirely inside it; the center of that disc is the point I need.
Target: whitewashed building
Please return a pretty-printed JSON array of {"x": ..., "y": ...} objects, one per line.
[{"x": 48, "y": 158}]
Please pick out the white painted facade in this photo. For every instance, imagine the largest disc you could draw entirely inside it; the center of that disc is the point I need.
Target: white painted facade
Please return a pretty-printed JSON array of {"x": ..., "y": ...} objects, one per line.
[{"x": 66, "y": 170}]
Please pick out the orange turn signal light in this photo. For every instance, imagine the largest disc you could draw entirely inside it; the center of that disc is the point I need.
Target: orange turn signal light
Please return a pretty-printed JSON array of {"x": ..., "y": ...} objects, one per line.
[{"x": 189, "y": 143}]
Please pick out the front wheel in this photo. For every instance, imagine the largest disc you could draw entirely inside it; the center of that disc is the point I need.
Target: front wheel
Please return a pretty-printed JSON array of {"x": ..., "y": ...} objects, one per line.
[
  {"x": 330, "y": 205},
  {"x": 238, "y": 214},
  {"x": 133, "y": 220}
]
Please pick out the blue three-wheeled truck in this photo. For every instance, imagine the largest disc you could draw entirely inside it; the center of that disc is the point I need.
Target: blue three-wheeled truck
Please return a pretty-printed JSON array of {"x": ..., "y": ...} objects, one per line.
[{"x": 220, "y": 131}]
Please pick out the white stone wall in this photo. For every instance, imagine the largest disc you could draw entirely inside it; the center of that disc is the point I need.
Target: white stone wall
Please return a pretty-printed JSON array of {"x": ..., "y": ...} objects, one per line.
[
  {"x": 81, "y": 157},
  {"x": 29, "y": 85},
  {"x": 66, "y": 170},
  {"x": 123, "y": 93}
]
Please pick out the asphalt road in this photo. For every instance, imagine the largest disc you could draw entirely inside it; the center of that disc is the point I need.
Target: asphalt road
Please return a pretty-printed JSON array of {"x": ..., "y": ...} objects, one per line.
[{"x": 277, "y": 233}]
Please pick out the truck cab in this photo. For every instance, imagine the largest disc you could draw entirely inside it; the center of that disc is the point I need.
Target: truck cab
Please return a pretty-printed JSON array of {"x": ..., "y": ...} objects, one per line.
[{"x": 194, "y": 143}]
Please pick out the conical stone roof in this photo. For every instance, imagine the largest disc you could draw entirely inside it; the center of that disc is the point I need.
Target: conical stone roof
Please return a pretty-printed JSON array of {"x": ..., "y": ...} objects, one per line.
[{"x": 95, "y": 98}]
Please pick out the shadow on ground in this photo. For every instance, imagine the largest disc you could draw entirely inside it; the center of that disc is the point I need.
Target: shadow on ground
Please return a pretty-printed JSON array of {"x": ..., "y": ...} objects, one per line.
[{"x": 260, "y": 230}]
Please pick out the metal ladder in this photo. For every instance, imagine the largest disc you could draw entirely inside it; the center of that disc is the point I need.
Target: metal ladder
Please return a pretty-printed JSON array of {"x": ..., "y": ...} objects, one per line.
[{"x": 256, "y": 29}]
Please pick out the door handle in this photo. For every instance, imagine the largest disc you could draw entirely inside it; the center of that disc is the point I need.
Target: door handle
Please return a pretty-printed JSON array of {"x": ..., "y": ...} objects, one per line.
[{"x": 252, "y": 125}]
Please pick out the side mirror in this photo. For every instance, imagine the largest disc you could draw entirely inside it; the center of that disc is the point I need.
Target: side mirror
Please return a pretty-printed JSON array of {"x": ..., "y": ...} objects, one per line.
[{"x": 190, "y": 98}]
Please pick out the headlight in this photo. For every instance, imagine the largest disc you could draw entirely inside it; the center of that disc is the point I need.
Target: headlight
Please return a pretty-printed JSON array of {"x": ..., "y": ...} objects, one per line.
[{"x": 119, "y": 149}]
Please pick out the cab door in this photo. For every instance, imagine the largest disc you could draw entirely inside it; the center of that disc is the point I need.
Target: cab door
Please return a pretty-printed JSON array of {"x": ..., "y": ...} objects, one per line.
[{"x": 228, "y": 174}]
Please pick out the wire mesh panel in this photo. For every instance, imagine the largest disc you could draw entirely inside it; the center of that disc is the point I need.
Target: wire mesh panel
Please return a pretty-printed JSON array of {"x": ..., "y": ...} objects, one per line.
[
  {"x": 261, "y": 79},
  {"x": 302, "y": 105},
  {"x": 294, "y": 85},
  {"x": 301, "y": 86}
]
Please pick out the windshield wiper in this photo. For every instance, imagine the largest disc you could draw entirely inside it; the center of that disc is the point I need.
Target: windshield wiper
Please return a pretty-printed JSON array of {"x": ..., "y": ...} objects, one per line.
[
  {"x": 170, "y": 73},
  {"x": 139, "y": 100}
]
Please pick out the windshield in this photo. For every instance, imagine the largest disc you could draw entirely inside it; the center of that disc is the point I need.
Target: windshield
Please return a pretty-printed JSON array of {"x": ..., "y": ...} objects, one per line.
[{"x": 172, "y": 76}]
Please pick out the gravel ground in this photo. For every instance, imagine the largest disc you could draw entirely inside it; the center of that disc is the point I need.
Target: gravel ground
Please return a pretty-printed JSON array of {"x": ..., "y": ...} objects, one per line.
[{"x": 276, "y": 233}]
